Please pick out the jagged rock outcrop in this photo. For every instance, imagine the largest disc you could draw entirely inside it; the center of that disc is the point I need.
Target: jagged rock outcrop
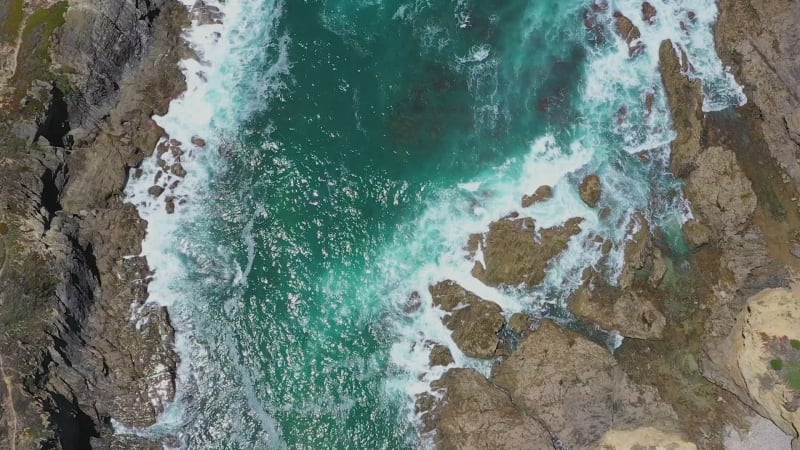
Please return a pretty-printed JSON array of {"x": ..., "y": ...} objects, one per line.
[
  {"x": 514, "y": 254},
  {"x": 541, "y": 194},
  {"x": 475, "y": 414},
  {"x": 630, "y": 313},
  {"x": 576, "y": 389},
  {"x": 71, "y": 357},
  {"x": 474, "y": 321}
]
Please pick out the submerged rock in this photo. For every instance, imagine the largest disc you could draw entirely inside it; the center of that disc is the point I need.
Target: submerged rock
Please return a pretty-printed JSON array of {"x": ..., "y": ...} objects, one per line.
[
  {"x": 474, "y": 414},
  {"x": 574, "y": 387},
  {"x": 514, "y": 254},
  {"x": 542, "y": 193},
  {"x": 474, "y": 321},
  {"x": 590, "y": 190},
  {"x": 155, "y": 190}
]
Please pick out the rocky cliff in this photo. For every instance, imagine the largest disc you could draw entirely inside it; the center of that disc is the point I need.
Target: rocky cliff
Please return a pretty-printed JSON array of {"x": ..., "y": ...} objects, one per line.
[
  {"x": 714, "y": 355},
  {"x": 79, "y": 82}
]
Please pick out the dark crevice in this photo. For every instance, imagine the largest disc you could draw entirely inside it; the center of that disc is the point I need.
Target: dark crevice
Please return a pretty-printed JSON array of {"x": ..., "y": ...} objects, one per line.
[
  {"x": 75, "y": 428},
  {"x": 49, "y": 198},
  {"x": 151, "y": 12},
  {"x": 55, "y": 125}
]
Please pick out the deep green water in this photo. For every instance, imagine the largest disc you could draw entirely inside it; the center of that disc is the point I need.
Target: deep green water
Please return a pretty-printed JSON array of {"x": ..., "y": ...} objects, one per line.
[{"x": 354, "y": 145}]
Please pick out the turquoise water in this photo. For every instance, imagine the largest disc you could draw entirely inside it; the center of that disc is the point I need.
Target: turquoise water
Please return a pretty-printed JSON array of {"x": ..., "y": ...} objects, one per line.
[{"x": 353, "y": 147}]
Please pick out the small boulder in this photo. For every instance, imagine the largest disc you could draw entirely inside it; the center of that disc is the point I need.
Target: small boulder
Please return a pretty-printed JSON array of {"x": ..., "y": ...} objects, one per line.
[
  {"x": 648, "y": 12},
  {"x": 542, "y": 193},
  {"x": 169, "y": 204},
  {"x": 155, "y": 190},
  {"x": 590, "y": 190},
  {"x": 178, "y": 170},
  {"x": 197, "y": 141},
  {"x": 440, "y": 356},
  {"x": 3, "y": 229}
]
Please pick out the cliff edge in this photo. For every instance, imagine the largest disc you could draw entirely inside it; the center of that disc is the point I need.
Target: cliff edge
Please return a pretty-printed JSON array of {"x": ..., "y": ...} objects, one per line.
[{"x": 79, "y": 83}]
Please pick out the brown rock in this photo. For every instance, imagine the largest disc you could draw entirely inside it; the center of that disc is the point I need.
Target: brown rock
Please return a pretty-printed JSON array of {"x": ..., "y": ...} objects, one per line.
[
  {"x": 696, "y": 234},
  {"x": 413, "y": 303},
  {"x": 474, "y": 321},
  {"x": 474, "y": 414},
  {"x": 474, "y": 243},
  {"x": 178, "y": 170},
  {"x": 3, "y": 229},
  {"x": 760, "y": 359},
  {"x": 638, "y": 249},
  {"x": 542, "y": 193},
  {"x": 659, "y": 269},
  {"x": 198, "y": 141},
  {"x": 440, "y": 356},
  {"x": 514, "y": 255},
  {"x": 630, "y": 33},
  {"x": 649, "y": 100},
  {"x": 686, "y": 105},
  {"x": 720, "y": 192},
  {"x": 630, "y": 314},
  {"x": 155, "y": 190},
  {"x": 519, "y": 322},
  {"x": 648, "y": 12},
  {"x": 576, "y": 389},
  {"x": 590, "y": 190},
  {"x": 169, "y": 204}
]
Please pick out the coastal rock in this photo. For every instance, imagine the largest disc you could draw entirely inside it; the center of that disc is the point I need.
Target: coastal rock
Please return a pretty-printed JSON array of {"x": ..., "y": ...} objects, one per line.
[
  {"x": 696, "y": 234},
  {"x": 721, "y": 194},
  {"x": 542, "y": 193},
  {"x": 155, "y": 190},
  {"x": 648, "y": 12},
  {"x": 760, "y": 359},
  {"x": 440, "y": 356},
  {"x": 643, "y": 438},
  {"x": 574, "y": 387},
  {"x": 629, "y": 313},
  {"x": 686, "y": 106},
  {"x": 178, "y": 170},
  {"x": 474, "y": 321},
  {"x": 197, "y": 141},
  {"x": 630, "y": 33},
  {"x": 638, "y": 249},
  {"x": 590, "y": 190},
  {"x": 519, "y": 323},
  {"x": 474, "y": 414},
  {"x": 760, "y": 41},
  {"x": 514, "y": 254}
]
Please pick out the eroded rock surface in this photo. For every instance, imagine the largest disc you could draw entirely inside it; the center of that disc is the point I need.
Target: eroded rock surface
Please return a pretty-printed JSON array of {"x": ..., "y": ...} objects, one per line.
[
  {"x": 514, "y": 254},
  {"x": 590, "y": 190},
  {"x": 475, "y": 414},
  {"x": 576, "y": 389},
  {"x": 474, "y": 321}
]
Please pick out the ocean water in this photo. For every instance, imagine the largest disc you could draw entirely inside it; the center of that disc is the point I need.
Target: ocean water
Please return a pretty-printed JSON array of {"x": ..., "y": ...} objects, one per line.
[{"x": 351, "y": 147}]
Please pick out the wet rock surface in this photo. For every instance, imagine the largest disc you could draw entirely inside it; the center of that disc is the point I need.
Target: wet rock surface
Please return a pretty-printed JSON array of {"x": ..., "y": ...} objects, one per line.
[
  {"x": 590, "y": 190},
  {"x": 474, "y": 321},
  {"x": 541, "y": 194},
  {"x": 514, "y": 254}
]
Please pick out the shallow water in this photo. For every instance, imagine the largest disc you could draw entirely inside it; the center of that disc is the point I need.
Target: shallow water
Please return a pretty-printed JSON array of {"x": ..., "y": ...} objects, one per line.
[{"x": 352, "y": 148}]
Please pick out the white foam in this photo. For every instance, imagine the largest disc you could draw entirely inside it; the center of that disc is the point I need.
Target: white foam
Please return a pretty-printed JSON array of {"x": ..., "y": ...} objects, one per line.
[{"x": 220, "y": 95}]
